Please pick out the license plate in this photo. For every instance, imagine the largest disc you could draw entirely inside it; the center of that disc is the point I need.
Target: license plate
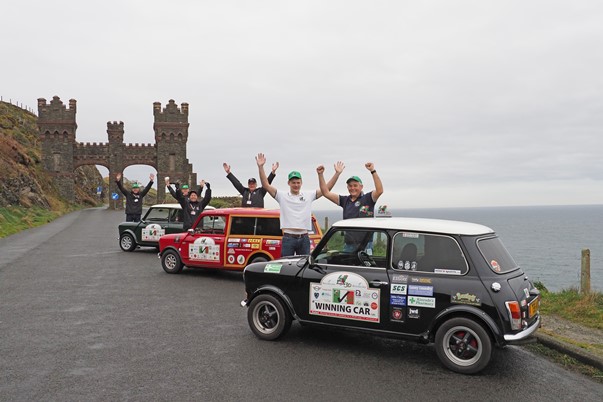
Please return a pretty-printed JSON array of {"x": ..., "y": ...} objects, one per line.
[{"x": 533, "y": 307}]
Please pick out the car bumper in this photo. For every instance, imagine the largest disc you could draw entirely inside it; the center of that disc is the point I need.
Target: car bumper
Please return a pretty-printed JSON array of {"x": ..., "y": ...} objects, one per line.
[{"x": 523, "y": 334}]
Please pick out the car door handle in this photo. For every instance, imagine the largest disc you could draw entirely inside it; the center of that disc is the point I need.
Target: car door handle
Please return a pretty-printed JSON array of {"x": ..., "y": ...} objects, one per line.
[{"x": 378, "y": 283}]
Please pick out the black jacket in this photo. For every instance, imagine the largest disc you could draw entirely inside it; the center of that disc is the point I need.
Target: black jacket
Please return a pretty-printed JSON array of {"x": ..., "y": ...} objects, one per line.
[
  {"x": 134, "y": 201},
  {"x": 250, "y": 199},
  {"x": 192, "y": 210}
]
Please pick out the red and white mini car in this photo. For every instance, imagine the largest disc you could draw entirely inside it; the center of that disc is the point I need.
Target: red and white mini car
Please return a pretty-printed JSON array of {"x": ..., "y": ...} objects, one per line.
[{"x": 228, "y": 238}]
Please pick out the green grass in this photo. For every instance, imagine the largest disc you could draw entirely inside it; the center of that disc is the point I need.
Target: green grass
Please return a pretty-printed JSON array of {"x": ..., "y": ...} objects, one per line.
[
  {"x": 16, "y": 219},
  {"x": 584, "y": 309}
]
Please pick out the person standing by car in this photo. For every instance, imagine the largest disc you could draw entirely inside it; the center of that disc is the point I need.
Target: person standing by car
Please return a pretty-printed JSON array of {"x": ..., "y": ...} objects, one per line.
[
  {"x": 296, "y": 208},
  {"x": 253, "y": 196},
  {"x": 134, "y": 198},
  {"x": 356, "y": 204},
  {"x": 191, "y": 206}
]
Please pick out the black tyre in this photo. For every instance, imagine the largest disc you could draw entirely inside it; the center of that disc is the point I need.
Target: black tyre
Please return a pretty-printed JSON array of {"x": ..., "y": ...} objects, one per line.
[
  {"x": 127, "y": 242},
  {"x": 268, "y": 317},
  {"x": 463, "y": 345},
  {"x": 259, "y": 258},
  {"x": 171, "y": 263}
]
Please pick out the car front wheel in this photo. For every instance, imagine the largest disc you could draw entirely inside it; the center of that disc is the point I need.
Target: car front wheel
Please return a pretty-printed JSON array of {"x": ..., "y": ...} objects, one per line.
[
  {"x": 463, "y": 345},
  {"x": 268, "y": 317},
  {"x": 171, "y": 263},
  {"x": 127, "y": 242}
]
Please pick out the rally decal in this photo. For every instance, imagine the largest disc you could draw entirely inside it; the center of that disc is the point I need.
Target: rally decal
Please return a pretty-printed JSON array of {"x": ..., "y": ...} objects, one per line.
[
  {"x": 204, "y": 249},
  {"x": 345, "y": 295},
  {"x": 152, "y": 232}
]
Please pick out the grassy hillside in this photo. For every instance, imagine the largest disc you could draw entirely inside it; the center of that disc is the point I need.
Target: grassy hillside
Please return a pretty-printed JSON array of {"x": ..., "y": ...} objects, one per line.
[{"x": 28, "y": 196}]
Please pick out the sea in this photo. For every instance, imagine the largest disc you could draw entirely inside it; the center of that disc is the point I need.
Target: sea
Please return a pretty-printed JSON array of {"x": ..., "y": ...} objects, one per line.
[{"x": 546, "y": 241}]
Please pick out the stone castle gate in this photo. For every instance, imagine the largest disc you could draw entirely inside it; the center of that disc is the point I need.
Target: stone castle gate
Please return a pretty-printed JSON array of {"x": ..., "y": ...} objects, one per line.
[{"x": 61, "y": 154}]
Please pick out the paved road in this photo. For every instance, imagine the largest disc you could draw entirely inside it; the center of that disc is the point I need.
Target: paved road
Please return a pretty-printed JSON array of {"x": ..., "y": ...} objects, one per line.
[{"x": 81, "y": 320}]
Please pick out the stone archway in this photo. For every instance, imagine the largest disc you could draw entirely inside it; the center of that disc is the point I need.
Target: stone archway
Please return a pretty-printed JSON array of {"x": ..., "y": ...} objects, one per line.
[{"x": 62, "y": 154}]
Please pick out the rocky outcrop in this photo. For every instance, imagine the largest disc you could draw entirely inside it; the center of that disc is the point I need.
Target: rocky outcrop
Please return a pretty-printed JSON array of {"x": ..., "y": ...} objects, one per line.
[{"x": 23, "y": 182}]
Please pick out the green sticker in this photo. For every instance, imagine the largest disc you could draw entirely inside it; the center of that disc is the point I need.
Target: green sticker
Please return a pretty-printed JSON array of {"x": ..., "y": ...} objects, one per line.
[{"x": 273, "y": 268}]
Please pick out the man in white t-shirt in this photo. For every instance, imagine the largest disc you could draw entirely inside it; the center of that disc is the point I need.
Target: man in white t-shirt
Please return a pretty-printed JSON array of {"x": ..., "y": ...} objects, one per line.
[{"x": 296, "y": 208}]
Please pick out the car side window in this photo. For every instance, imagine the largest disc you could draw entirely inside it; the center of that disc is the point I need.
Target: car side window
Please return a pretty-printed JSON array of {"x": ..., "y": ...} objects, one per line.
[
  {"x": 268, "y": 227},
  {"x": 213, "y": 224},
  {"x": 176, "y": 215},
  {"x": 157, "y": 214},
  {"x": 355, "y": 248},
  {"x": 242, "y": 225},
  {"x": 427, "y": 253}
]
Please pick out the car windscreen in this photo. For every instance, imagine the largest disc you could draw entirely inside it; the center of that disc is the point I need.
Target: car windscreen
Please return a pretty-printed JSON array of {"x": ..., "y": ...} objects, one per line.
[
  {"x": 498, "y": 258},
  {"x": 157, "y": 214}
]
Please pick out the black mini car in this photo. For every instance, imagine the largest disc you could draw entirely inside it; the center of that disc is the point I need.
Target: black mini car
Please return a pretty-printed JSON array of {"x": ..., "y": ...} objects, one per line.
[
  {"x": 446, "y": 282},
  {"x": 159, "y": 220}
]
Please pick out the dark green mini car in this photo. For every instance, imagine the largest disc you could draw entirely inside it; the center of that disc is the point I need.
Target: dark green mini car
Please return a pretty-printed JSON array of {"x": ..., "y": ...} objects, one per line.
[{"x": 159, "y": 220}]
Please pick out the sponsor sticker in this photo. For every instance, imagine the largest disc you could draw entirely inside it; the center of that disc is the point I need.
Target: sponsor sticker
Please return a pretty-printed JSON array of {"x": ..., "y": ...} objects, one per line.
[
  {"x": 410, "y": 235},
  {"x": 204, "y": 249},
  {"x": 231, "y": 259},
  {"x": 399, "y": 278},
  {"x": 495, "y": 266},
  {"x": 233, "y": 240},
  {"x": 420, "y": 290},
  {"x": 231, "y": 251},
  {"x": 447, "y": 271},
  {"x": 254, "y": 240},
  {"x": 152, "y": 232},
  {"x": 396, "y": 300},
  {"x": 465, "y": 298},
  {"x": 233, "y": 245},
  {"x": 397, "y": 314},
  {"x": 414, "y": 313},
  {"x": 255, "y": 246},
  {"x": 273, "y": 242},
  {"x": 420, "y": 280},
  {"x": 240, "y": 259},
  {"x": 273, "y": 268},
  {"x": 398, "y": 289},
  {"x": 345, "y": 295},
  {"x": 418, "y": 301}
]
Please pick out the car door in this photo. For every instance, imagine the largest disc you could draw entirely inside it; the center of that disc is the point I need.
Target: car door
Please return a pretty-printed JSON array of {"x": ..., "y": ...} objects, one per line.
[
  {"x": 153, "y": 225},
  {"x": 347, "y": 282},
  {"x": 205, "y": 248},
  {"x": 175, "y": 224}
]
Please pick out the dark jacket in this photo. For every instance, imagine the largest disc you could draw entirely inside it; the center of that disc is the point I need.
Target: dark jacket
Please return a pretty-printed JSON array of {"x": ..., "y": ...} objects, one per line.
[
  {"x": 134, "y": 201},
  {"x": 191, "y": 210},
  {"x": 250, "y": 199}
]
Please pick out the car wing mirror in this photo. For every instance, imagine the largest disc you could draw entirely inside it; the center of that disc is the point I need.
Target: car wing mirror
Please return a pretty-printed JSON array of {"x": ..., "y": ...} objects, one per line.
[{"x": 191, "y": 231}]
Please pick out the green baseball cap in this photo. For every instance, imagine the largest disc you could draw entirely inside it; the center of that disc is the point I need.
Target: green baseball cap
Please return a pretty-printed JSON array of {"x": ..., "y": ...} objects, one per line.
[
  {"x": 354, "y": 178},
  {"x": 135, "y": 185},
  {"x": 294, "y": 175},
  {"x": 185, "y": 186}
]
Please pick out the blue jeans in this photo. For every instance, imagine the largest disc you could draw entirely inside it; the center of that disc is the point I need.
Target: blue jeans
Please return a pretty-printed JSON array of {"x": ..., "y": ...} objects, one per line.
[{"x": 295, "y": 245}]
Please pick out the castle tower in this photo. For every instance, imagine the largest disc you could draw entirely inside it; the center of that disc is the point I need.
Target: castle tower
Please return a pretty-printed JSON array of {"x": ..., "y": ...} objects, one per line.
[
  {"x": 115, "y": 132},
  {"x": 171, "y": 135},
  {"x": 57, "y": 126}
]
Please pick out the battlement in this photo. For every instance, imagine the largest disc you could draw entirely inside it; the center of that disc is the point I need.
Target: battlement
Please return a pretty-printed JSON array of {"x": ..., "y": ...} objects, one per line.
[
  {"x": 140, "y": 146},
  {"x": 56, "y": 110},
  {"x": 115, "y": 126},
  {"x": 170, "y": 113}
]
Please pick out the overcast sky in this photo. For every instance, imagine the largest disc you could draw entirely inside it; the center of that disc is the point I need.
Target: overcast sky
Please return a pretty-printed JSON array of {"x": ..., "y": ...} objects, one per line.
[{"x": 458, "y": 103}]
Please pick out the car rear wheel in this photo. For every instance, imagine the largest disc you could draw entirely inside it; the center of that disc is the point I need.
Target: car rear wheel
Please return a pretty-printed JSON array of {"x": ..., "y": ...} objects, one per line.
[
  {"x": 171, "y": 263},
  {"x": 127, "y": 242},
  {"x": 268, "y": 317},
  {"x": 463, "y": 345}
]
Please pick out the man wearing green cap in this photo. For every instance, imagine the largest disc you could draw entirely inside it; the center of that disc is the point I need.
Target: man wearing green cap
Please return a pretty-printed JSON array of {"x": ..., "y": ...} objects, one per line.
[
  {"x": 296, "y": 208},
  {"x": 134, "y": 198},
  {"x": 357, "y": 204},
  {"x": 180, "y": 190}
]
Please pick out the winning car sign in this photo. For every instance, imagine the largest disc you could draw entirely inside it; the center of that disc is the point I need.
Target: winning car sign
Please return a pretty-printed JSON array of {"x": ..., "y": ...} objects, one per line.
[{"x": 344, "y": 295}]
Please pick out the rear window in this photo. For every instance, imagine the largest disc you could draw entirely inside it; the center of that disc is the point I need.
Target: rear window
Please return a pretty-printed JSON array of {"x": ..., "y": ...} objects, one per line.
[
  {"x": 498, "y": 258},
  {"x": 428, "y": 253}
]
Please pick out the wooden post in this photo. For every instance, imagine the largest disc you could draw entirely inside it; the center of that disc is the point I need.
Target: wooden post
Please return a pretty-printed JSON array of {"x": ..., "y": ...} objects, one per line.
[
  {"x": 585, "y": 271},
  {"x": 326, "y": 223}
]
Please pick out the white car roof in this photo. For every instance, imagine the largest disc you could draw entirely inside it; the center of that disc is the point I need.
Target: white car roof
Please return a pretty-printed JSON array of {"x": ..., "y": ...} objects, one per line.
[
  {"x": 417, "y": 225},
  {"x": 176, "y": 206}
]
